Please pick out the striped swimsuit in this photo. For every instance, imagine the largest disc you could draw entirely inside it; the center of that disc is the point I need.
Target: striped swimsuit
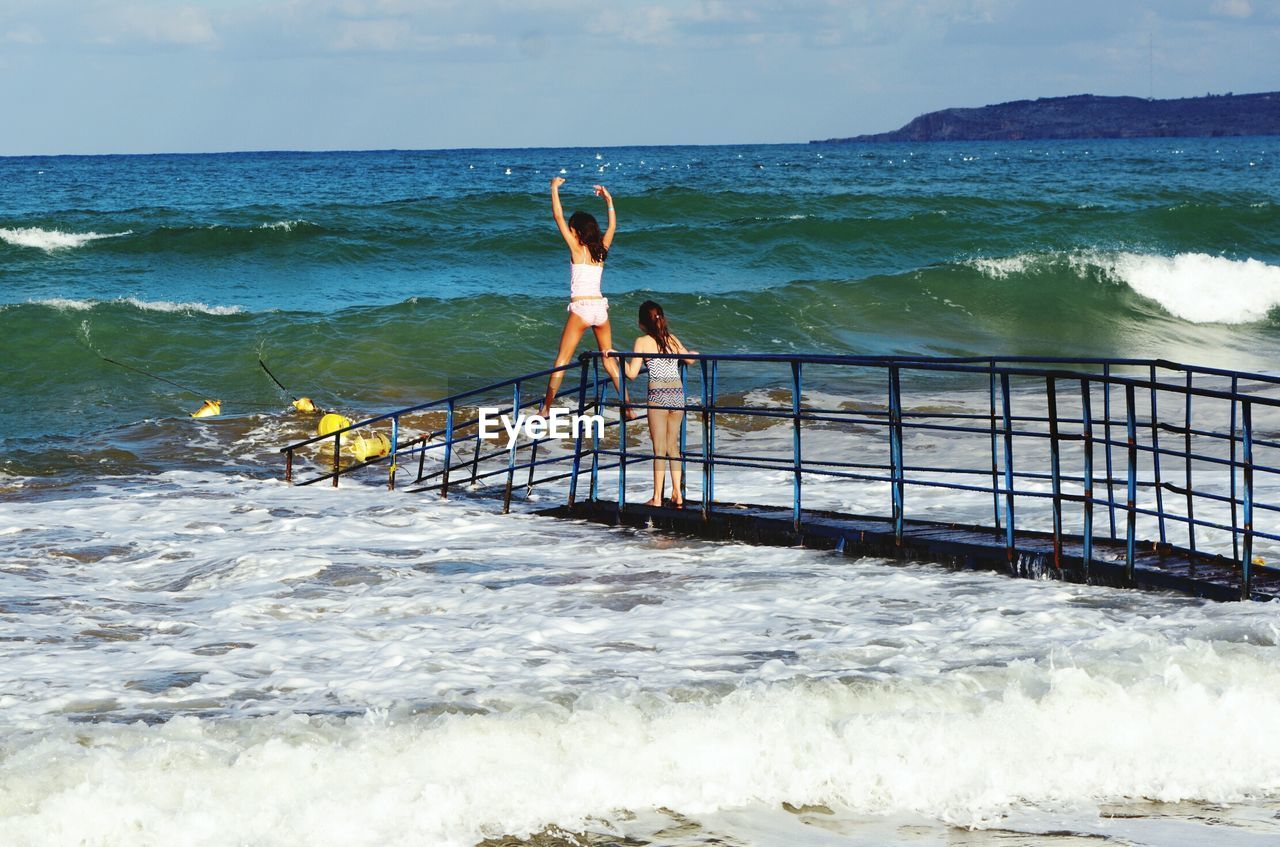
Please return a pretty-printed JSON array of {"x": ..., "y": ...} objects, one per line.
[{"x": 666, "y": 391}]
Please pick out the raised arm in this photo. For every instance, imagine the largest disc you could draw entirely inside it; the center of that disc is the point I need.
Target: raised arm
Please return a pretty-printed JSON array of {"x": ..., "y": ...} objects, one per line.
[
  {"x": 558, "y": 212},
  {"x": 601, "y": 191}
]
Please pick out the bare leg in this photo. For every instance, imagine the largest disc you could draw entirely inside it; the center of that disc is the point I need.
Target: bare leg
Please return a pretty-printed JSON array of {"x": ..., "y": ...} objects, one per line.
[
  {"x": 674, "y": 418},
  {"x": 604, "y": 338},
  {"x": 658, "y": 435},
  {"x": 574, "y": 328}
]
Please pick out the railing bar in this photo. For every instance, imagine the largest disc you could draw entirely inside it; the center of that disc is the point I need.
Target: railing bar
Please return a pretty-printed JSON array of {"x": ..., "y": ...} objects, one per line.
[
  {"x": 1155, "y": 454},
  {"x": 1246, "y": 559},
  {"x": 684, "y": 434},
  {"x": 511, "y": 460},
  {"x": 706, "y": 445},
  {"x": 995, "y": 461},
  {"x": 1051, "y": 396},
  {"x": 1191, "y": 505},
  {"x": 1106, "y": 435},
  {"x": 1009, "y": 513},
  {"x": 1086, "y": 409},
  {"x": 798, "y": 480},
  {"x": 1235, "y": 534},
  {"x": 622, "y": 436},
  {"x": 1132, "y": 494}
]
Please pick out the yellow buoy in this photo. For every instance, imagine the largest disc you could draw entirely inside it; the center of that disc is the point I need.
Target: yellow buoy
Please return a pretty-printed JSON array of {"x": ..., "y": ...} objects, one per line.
[
  {"x": 210, "y": 408},
  {"x": 304, "y": 404},
  {"x": 366, "y": 447},
  {"x": 331, "y": 423}
]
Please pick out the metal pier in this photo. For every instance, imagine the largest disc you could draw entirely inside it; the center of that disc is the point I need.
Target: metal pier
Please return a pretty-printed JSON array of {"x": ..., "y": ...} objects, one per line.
[{"x": 1141, "y": 473}]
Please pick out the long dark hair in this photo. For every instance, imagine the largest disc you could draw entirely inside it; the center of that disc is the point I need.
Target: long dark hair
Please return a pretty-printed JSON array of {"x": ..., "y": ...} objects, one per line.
[
  {"x": 588, "y": 231},
  {"x": 654, "y": 322}
]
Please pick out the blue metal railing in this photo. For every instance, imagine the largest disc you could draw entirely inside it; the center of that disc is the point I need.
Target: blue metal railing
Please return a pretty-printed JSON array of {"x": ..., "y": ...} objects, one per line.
[{"x": 1031, "y": 421}]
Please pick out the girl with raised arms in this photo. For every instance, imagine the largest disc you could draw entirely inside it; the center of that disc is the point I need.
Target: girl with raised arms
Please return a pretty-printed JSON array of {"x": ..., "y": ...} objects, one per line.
[{"x": 588, "y": 249}]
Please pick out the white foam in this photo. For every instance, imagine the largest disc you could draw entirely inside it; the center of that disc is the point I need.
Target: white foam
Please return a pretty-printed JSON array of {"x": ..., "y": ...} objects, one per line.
[
  {"x": 286, "y": 226},
  {"x": 1201, "y": 288},
  {"x": 965, "y": 751},
  {"x": 191, "y": 306},
  {"x": 70, "y": 304},
  {"x": 1195, "y": 287},
  {"x": 607, "y": 669},
  {"x": 66, "y": 304},
  {"x": 50, "y": 240}
]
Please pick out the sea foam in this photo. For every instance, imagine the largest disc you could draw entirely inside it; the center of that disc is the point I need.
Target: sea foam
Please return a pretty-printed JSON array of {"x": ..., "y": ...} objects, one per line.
[
  {"x": 76, "y": 305},
  {"x": 50, "y": 240},
  {"x": 1195, "y": 287},
  {"x": 1052, "y": 738}
]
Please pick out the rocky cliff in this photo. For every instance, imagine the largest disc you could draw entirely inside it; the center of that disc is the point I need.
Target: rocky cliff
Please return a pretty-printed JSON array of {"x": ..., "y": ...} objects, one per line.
[{"x": 1090, "y": 116}]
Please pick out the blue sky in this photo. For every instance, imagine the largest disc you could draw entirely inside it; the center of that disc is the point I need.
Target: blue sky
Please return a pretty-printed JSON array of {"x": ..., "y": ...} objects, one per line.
[{"x": 205, "y": 75}]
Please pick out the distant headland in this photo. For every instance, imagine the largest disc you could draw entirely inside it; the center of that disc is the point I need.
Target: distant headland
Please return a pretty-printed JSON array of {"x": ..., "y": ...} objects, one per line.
[{"x": 1091, "y": 116}]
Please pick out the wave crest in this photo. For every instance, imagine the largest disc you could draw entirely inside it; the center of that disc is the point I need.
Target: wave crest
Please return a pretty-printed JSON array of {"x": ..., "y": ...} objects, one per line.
[
  {"x": 73, "y": 305},
  {"x": 1196, "y": 287},
  {"x": 50, "y": 240}
]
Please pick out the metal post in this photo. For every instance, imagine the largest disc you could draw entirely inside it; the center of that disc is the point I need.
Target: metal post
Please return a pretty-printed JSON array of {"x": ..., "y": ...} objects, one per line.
[
  {"x": 796, "y": 460},
  {"x": 1086, "y": 412},
  {"x": 511, "y": 452},
  {"x": 533, "y": 466},
  {"x": 395, "y": 447},
  {"x": 337, "y": 457},
  {"x": 895, "y": 452},
  {"x": 583, "y": 360},
  {"x": 684, "y": 435},
  {"x": 711, "y": 437},
  {"x": 595, "y": 435},
  {"x": 422, "y": 456},
  {"x": 1055, "y": 472},
  {"x": 995, "y": 462},
  {"x": 706, "y": 441},
  {"x": 1009, "y": 519},
  {"x": 1235, "y": 533},
  {"x": 1191, "y": 505},
  {"x": 1131, "y": 504},
  {"x": 475, "y": 457},
  {"x": 622, "y": 433},
  {"x": 1155, "y": 456},
  {"x": 288, "y": 466},
  {"x": 448, "y": 452},
  {"x": 1106, "y": 436},
  {"x": 1246, "y": 561}
]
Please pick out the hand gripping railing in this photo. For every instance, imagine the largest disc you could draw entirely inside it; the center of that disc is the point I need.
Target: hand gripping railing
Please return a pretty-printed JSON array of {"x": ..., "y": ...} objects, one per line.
[{"x": 1034, "y": 419}]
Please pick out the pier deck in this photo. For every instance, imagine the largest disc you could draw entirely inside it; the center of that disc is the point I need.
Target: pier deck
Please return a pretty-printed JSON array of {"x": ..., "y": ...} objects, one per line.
[
  {"x": 1107, "y": 452},
  {"x": 1156, "y": 567}
]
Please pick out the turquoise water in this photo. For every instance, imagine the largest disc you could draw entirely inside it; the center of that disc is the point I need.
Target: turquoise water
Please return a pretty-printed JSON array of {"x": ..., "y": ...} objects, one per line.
[{"x": 383, "y": 278}]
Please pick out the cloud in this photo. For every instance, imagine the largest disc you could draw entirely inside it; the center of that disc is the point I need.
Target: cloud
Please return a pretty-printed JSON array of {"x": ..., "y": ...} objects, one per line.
[
  {"x": 27, "y": 35},
  {"x": 1233, "y": 8},
  {"x": 187, "y": 26}
]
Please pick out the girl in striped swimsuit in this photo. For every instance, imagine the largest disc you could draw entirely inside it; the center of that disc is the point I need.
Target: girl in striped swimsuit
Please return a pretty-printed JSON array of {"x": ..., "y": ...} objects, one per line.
[{"x": 666, "y": 397}]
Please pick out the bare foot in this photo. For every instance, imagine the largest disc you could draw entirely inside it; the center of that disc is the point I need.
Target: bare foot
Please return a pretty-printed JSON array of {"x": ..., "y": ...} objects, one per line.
[
  {"x": 630, "y": 412},
  {"x": 656, "y": 502}
]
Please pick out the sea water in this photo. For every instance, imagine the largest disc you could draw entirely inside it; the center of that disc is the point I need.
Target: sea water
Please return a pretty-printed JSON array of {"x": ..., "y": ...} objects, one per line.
[{"x": 193, "y": 652}]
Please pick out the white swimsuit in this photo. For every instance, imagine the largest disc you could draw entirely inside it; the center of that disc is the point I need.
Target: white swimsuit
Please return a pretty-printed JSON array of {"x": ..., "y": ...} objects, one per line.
[{"x": 584, "y": 282}]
